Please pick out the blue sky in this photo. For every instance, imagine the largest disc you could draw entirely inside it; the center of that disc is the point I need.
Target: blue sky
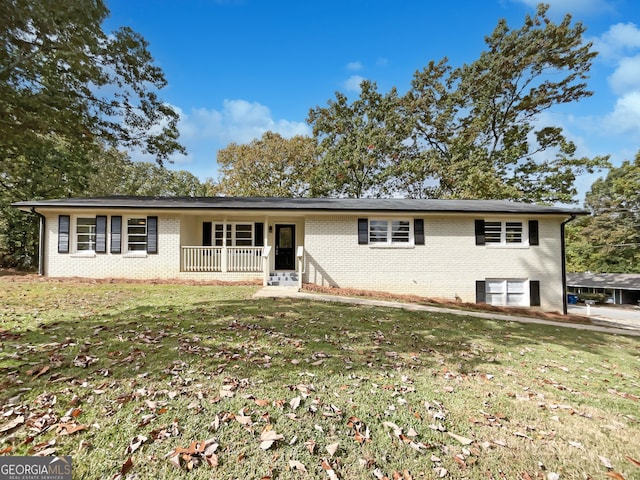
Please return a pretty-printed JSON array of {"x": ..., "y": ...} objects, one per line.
[{"x": 238, "y": 68}]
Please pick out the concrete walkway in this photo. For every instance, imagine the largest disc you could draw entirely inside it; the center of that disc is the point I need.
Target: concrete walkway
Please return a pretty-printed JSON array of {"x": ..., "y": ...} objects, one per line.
[{"x": 292, "y": 292}]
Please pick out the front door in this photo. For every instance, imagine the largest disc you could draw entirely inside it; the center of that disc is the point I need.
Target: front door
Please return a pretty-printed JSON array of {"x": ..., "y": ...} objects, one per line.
[{"x": 285, "y": 247}]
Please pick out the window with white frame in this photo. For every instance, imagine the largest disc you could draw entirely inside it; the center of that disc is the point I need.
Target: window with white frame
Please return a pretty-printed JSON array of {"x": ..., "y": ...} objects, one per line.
[
  {"x": 86, "y": 234},
  {"x": 503, "y": 232},
  {"x": 390, "y": 232},
  {"x": 507, "y": 292},
  {"x": 136, "y": 234},
  {"x": 238, "y": 234}
]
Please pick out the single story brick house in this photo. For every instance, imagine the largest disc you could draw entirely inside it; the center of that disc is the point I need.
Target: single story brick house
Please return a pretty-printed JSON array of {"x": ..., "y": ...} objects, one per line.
[
  {"x": 620, "y": 288},
  {"x": 496, "y": 252}
]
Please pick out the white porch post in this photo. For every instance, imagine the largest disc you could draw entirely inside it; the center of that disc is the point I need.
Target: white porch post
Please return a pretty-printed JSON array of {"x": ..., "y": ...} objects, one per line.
[
  {"x": 225, "y": 253},
  {"x": 266, "y": 253}
]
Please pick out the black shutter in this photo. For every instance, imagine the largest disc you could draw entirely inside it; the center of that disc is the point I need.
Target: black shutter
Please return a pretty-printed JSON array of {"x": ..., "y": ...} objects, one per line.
[
  {"x": 116, "y": 234},
  {"x": 480, "y": 232},
  {"x": 258, "y": 234},
  {"x": 152, "y": 234},
  {"x": 534, "y": 293},
  {"x": 481, "y": 292},
  {"x": 534, "y": 237},
  {"x": 418, "y": 231},
  {"x": 206, "y": 234},
  {"x": 101, "y": 234},
  {"x": 63, "y": 233},
  {"x": 363, "y": 231}
]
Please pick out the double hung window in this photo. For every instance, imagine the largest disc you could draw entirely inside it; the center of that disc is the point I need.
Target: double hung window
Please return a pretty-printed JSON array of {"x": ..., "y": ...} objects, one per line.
[
  {"x": 390, "y": 232},
  {"x": 507, "y": 292},
  {"x": 237, "y": 234},
  {"x": 86, "y": 234},
  {"x": 136, "y": 234}
]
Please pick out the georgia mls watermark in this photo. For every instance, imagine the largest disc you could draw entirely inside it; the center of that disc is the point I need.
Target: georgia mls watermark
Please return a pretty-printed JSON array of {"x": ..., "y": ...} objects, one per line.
[{"x": 35, "y": 468}]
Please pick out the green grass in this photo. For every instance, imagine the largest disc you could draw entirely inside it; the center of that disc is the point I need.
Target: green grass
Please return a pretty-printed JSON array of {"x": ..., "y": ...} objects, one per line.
[{"x": 178, "y": 364}]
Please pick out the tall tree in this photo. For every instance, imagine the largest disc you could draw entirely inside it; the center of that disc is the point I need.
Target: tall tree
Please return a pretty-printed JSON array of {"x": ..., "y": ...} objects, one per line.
[
  {"x": 608, "y": 241},
  {"x": 360, "y": 143},
  {"x": 61, "y": 74},
  {"x": 271, "y": 166},
  {"x": 69, "y": 91},
  {"x": 481, "y": 123}
]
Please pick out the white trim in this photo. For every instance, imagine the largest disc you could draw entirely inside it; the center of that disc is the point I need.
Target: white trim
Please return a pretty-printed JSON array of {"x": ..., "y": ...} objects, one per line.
[{"x": 389, "y": 243}]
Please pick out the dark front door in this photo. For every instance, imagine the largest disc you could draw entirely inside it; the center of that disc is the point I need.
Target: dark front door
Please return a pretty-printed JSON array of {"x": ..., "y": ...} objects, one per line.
[{"x": 285, "y": 247}]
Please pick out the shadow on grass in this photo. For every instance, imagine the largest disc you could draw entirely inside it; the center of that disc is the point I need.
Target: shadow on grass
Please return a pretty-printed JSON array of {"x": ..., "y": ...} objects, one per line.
[{"x": 266, "y": 339}]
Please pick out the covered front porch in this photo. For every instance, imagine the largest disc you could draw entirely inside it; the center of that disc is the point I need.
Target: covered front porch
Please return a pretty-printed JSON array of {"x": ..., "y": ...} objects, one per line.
[{"x": 242, "y": 247}]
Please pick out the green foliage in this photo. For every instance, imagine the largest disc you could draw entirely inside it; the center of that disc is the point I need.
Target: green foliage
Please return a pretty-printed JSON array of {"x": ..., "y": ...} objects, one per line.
[
  {"x": 70, "y": 93},
  {"x": 360, "y": 143},
  {"x": 62, "y": 75},
  {"x": 609, "y": 240},
  {"x": 269, "y": 167},
  {"x": 469, "y": 132}
]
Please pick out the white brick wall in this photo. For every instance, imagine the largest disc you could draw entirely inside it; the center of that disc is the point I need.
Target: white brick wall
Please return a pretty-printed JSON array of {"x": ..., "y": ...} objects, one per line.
[
  {"x": 447, "y": 266},
  {"x": 164, "y": 264}
]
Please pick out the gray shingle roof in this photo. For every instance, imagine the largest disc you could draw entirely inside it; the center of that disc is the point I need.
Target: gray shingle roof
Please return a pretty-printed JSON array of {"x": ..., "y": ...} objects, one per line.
[
  {"x": 624, "y": 281},
  {"x": 313, "y": 204}
]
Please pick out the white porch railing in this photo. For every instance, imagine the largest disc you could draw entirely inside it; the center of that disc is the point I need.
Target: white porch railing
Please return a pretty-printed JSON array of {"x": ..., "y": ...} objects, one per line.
[
  {"x": 244, "y": 259},
  {"x": 202, "y": 259},
  {"x": 212, "y": 259}
]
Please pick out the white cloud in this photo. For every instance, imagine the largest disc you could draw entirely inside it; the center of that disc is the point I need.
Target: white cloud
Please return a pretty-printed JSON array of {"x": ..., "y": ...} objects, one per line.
[
  {"x": 573, "y": 6},
  {"x": 353, "y": 83},
  {"x": 626, "y": 77},
  {"x": 619, "y": 40},
  {"x": 354, "y": 66},
  {"x": 625, "y": 118},
  {"x": 239, "y": 121}
]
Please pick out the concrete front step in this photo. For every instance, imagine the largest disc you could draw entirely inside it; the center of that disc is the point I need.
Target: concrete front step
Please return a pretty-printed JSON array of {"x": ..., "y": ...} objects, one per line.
[{"x": 287, "y": 279}]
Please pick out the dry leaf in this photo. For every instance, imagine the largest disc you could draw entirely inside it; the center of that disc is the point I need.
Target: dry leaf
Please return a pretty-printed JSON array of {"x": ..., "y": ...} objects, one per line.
[
  {"x": 606, "y": 462},
  {"x": 615, "y": 475},
  {"x": 268, "y": 438},
  {"x": 294, "y": 403},
  {"x": 635, "y": 462},
  {"x": 126, "y": 467},
  {"x": 296, "y": 465},
  {"x": 333, "y": 448},
  {"x": 136, "y": 443},
  {"x": 12, "y": 424},
  {"x": 461, "y": 439},
  {"x": 311, "y": 446}
]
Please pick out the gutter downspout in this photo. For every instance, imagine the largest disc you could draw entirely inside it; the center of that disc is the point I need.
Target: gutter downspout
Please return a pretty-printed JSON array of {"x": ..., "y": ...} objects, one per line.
[
  {"x": 564, "y": 262},
  {"x": 41, "y": 249}
]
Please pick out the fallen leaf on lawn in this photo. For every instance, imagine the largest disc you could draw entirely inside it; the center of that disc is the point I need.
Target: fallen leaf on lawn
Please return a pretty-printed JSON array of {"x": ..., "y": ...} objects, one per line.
[
  {"x": 47, "y": 452},
  {"x": 268, "y": 437},
  {"x": 523, "y": 435},
  {"x": 441, "y": 472},
  {"x": 605, "y": 462},
  {"x": 635, "y": 462},
  {"x": 126, "y": 468},
  {"x": 135, "y": 444},
  {"x": 40, "y": 372},
  {"x": 6, "y": 450},
  {"x": 243, "y": 419},
  {"x": 329, "y": 469},
  {"x": 296, "y": 465},
  {"x": 294, "y": 403},
  {"x": 461, "y": 439},
  {"x": 333, "y": 448},
  {"x": 69, "y": 428},
  {"x": 396, "y": 429},
  {"x": 379, "y": 474},
  {"x": 19, "y": 420},
  {"x": 553, "y": 476},
  {"x": 615, "y": 475},
  {"x": 310, "y": 445},
  {"x": 262, "y": 403}
]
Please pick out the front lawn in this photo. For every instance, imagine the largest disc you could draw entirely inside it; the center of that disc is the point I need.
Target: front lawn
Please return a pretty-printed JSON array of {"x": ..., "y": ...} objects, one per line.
[{"x": 186, "y": 381}]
